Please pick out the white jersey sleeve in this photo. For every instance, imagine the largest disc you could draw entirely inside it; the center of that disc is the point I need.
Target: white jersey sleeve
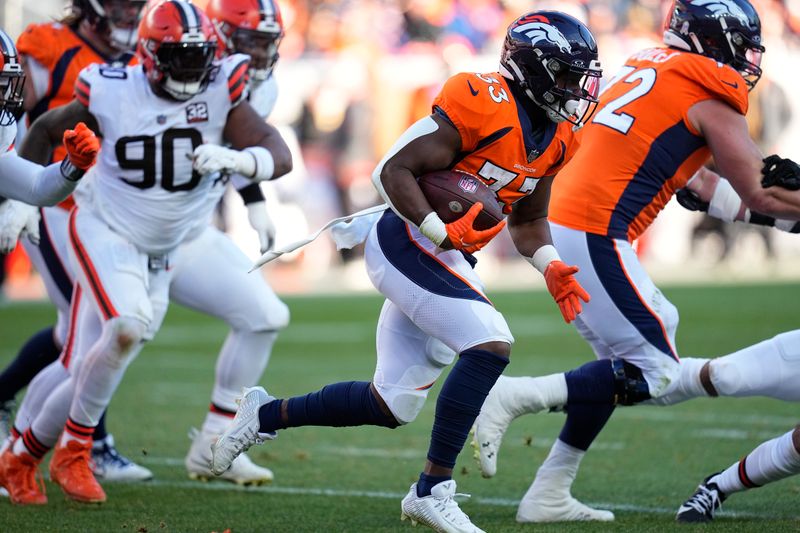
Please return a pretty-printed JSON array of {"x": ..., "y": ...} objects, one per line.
[
  {"x": 33, "y": 184},
  {"x": 143, "y": 185},
  {"x": 263, "y": 97}
]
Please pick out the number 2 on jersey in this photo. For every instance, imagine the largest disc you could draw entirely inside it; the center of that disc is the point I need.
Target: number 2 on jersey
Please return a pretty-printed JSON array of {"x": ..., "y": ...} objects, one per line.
[{"x": 609, "y": 115}]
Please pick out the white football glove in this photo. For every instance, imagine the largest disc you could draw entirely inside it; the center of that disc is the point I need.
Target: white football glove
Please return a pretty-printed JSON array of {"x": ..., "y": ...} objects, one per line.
[
  {"x": 16, "y": 220},
  {"x": 262, "y": 223},
  {"x": 211, "y": 158}
]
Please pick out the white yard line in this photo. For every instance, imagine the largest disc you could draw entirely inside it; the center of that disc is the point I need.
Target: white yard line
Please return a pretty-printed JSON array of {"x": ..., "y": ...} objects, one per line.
[{"x": 342, "y": 493}]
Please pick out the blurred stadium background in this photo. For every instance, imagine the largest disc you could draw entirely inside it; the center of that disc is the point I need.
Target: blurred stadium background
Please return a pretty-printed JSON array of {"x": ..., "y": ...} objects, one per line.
[{"x": 354, "y": 74}]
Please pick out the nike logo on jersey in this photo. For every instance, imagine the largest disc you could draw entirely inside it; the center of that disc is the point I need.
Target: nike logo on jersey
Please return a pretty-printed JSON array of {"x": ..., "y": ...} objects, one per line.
[
  {"x": 473, "y": 91},
  {"x": 735, "y": 84}
]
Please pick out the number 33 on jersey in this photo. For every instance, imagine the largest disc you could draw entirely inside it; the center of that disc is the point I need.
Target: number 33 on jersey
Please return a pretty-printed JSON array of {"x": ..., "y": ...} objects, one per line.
[
  {"x": 498, "y": 137},
  {"x": 147, "y": 145}
]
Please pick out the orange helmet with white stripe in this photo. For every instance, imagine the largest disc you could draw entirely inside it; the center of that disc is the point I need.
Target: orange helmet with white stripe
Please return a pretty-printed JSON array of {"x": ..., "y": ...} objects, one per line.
[
  {"x": 177, "y": 45},
  {"x": 12, "y": 79},
  {"x": 252, "y": 27}
]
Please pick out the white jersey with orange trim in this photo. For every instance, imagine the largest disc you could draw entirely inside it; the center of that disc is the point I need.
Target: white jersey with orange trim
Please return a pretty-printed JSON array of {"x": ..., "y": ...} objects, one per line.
[{"x": 143, "y": 185}]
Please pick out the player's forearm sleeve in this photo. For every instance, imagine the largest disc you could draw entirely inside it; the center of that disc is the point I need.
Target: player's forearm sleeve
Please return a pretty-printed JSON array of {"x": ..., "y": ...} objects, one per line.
[
  {"x": 33, "y": 184},
  {"x": 249, "y": 191}
]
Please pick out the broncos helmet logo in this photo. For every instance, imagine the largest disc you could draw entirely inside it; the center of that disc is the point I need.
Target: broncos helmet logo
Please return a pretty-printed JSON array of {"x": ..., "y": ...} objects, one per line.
[
  {"x": 722, "y": 7},
  {"x": 540, "y": 31}
]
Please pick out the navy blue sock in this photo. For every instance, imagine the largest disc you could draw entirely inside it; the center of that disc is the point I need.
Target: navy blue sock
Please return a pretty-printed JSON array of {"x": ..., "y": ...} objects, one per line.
[
  {"x": 427, "y": 482},
  {"x": 584, "y": 422},
  {"x": 40, "y": 350},
  {"x": 100, "y": 429},
  {"x": 460, "y": 401},
  {"x": 592, "y": 383},
  {"x": 349, "y": 403}
]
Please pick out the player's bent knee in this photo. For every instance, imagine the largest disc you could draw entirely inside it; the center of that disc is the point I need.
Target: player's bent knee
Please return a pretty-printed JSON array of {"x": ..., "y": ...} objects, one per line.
[
  {"x": 266, "y": 316},
  {"x": 279, "y": 317},
  {"x": 439, "y": 353},
  {"x": 125, "y": 333},
  {"x": 404, "y": 404},
  {"x": 789, "y": 345},
  {"x": 500, "y": 348},
  {"x": 726, "y": 376}
]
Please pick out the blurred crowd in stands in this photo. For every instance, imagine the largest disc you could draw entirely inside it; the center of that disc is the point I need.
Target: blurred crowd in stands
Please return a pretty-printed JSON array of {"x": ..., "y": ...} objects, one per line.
[{"x": 354, "y": 74}]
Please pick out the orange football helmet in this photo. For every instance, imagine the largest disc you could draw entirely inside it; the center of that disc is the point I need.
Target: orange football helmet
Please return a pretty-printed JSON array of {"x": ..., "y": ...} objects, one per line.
[
  {"x": 177, "y": 45},
  {"x": 252, "y": 27},
  {"x": 12, "y": 80}
]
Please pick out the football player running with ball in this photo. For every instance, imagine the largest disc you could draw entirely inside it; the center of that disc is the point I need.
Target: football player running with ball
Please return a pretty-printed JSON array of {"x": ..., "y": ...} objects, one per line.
[
  {"x": 661, "y": 117},
  {"x": 514, "y": 129},
  {"x": 161, "y": 158}
]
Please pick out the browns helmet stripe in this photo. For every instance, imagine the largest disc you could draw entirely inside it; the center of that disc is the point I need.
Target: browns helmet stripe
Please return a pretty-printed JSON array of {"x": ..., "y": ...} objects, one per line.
[
  {"x": 189, "y": 17},
  {"x": 265, "y": 6}
]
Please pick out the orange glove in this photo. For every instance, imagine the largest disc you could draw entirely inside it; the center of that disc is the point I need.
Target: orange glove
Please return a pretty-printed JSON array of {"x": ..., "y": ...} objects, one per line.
[
  {"x": 566, "y": 290},
  {"x": 465, "y": 237},
  {"x": 82, "y": 146}
]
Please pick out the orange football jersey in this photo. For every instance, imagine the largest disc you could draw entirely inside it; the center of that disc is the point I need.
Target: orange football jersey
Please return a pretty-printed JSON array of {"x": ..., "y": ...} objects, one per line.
[
  {"x": 64, "y": 53},
  {"x": 640, "y": 147},
  {"x": 499, "y": 144}
]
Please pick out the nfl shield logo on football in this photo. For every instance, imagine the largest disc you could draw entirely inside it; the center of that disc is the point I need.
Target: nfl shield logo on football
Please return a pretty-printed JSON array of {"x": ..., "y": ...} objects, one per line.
[
  {"x": 161, "y": 119},
  {"x": 468, "y": 184}
]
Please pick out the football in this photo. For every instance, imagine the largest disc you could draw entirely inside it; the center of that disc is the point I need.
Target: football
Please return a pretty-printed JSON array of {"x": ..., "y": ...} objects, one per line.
[{"x": 452, "y": 192}]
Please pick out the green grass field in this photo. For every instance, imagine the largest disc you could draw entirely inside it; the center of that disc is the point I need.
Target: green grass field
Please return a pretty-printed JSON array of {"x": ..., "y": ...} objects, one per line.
[{"x": 645, "y": 463}]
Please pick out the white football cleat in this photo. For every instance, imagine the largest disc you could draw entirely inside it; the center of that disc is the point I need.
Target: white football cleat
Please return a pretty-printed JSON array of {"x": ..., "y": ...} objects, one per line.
[
  {"x": 243, "y": 470},
  {"x": 508, "y": 399},
  {"x": 108, "y": 464},
  {"x": 439, "y": 511},
  {"x": 242, "y": 432},
  {"x": 547, "y": 503}
]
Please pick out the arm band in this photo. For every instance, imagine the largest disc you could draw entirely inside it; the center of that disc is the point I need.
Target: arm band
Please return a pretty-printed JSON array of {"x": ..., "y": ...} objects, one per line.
[
  {"x": 725, "y": 203},
  {"x": 433, "y": 228},
  {"x": 543, "y": 257},
  {"x": 251, "y": 194},
  {"x": 264, "y": 163},
  {"x": 70, "y": 171}
]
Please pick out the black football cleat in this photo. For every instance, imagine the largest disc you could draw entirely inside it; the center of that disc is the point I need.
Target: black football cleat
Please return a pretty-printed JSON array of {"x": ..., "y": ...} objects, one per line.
[{"x": 702, "y": 505}]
